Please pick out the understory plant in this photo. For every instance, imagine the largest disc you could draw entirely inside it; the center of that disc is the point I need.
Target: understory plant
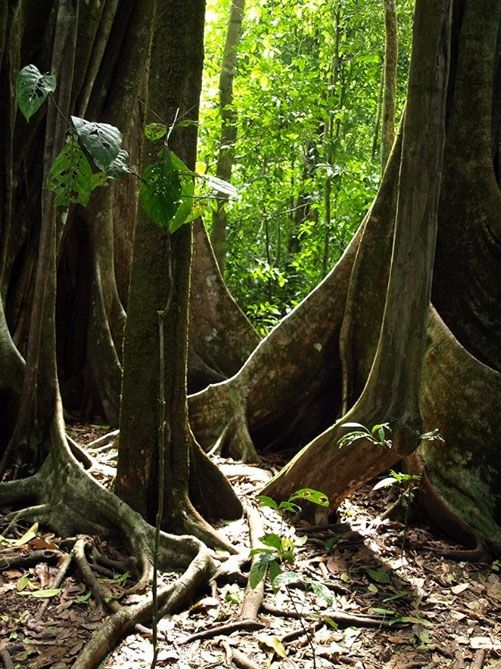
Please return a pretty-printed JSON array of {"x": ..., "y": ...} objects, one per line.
[{"x": 278, "y": 554}]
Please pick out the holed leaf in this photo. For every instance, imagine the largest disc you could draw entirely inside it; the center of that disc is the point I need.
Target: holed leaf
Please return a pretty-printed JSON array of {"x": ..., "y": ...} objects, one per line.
[
  {"x": 166, "y": 191},
  {"x": 101, "y": 140},
  {"x": 119, "y": 166},
  {"x": 32, "y": 89},
  {"x": 71, "y": 178}
]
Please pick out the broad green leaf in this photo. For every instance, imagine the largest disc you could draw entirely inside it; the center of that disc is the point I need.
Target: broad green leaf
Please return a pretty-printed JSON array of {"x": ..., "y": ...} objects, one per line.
[
  {"x": 258, "y": 569},
  {"x": 101, "y": 140},
  {"x": 187, "y": 189},
  {"x": 311, "y": 495},
  {"x": 284, "y": 579},
  {"x": 378, "y": 576},
  {"x": 330, "y": 543},
  {"x": 155, "y": 131},
  {"x": 42, "y": 594},
  {"x": 27, "y": 536},
  {"x": 380, "y": 611},
  {"x": 22, "y": 583},
  {"x": 32, "y": 89},
  {"x": 330, "y": 622},
  {"x": 289, "y": 506},
  {"x": 119, "y": 166},
  {"x": 264, "y": 500},
  {"x": 413, "y": 620},
  {"x": 322, "y": 592},
  {"x": 272, "y": 540},
  {"x": 160, "y": 191},
  {"x": 71, "y": 178},
  {"x": 274, "y": 570}
]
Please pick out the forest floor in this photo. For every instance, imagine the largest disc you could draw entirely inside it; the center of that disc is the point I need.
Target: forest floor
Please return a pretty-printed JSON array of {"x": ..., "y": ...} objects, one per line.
[{"x": 394, "y": 601}]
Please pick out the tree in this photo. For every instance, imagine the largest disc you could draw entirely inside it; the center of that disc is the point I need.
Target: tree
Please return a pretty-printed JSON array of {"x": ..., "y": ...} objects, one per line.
[
  {"x": 303, "y": 165},
  {"x": 159, "y": 296},
  {"x": 45, "y": 477},
  {"x": 353, "y": 347},
  {"x": 228, "y": 125}
]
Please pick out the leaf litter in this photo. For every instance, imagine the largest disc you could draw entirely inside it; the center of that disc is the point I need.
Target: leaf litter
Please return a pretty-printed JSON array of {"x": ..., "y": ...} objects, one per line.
[{"x": 433, "y": 611}]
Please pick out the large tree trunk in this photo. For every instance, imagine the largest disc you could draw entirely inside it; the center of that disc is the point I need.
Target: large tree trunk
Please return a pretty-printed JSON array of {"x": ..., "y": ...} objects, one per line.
[
  {"x": 160, "y": 282},
  {"x": 354, "y": 347},
  {"x": 228, "y": 126}
]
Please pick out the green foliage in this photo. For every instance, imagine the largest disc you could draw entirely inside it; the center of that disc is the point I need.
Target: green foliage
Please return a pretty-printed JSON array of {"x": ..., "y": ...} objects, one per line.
[
  {"x": 397, "y": 478},
  {"x": 32, "y": 89},
  {"x": 102, "y": 141},
  {"x": 166, "y": 191},
  {"x": 377, "y": 435},
  {"x": 71, "y": 178},
  {"x": 289, "y": 505},
  {"x": 281, "y": 549},
  {"x": 307, "y": 161}
]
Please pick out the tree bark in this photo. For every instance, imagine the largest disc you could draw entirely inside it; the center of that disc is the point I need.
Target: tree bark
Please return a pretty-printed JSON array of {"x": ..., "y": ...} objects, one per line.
[
  {"x": 161, "y": 275},
  {"x": 228, "y": 127},
  {"x": 389, "y": 80}
]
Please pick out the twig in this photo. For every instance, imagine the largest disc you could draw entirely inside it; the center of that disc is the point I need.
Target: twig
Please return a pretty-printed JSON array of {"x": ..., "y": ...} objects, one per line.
[
  {"x": 103, "y": 439},
  {"x": 58, "y": 579},
  {"x": 340, "y": 617},
  {"x": 238, "y": 658},
  {"x": 26, "y": 560},
  {"x": 253, "y": 597},
  {"x": 224, "y": 629}
]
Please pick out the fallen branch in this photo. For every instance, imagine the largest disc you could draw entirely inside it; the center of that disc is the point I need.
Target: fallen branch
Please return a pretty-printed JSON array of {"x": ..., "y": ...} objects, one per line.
[
  {"x": 340, "y": 617},
  {"x": 58, "y": 579},
  {"x": 225, "y": 629},
  {"x": 238, "y": 658},
  {"x": 28, "y": 559}
]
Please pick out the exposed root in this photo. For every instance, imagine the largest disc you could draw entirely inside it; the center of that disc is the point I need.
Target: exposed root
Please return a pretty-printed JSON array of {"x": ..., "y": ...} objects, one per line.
[
  {"x": 170, "y": 598},
  {"x": 225, "y": 629},
  {"x": 104, "y": 441},
  {"x": 39, "y": 513},
  {"x": 86, "y": 572},
  {"x": 253, "y": 597},
  {"x": 342, "y": 618},
  {"x": 28, "y": 559},
  {"x": 72, "y": 503},
  {"x": 58, "y": 579}
]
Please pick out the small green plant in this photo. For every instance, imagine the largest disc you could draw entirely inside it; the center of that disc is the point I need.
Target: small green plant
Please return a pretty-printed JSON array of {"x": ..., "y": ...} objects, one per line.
[
  {"x": 379, "y": 434},
  {"x": 279, "y": 550},
  {"x": 406, "y": 483}
]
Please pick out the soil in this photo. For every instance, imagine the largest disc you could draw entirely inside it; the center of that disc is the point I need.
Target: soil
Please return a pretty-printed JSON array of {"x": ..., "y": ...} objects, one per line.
[{"x": 426, "y": 609}]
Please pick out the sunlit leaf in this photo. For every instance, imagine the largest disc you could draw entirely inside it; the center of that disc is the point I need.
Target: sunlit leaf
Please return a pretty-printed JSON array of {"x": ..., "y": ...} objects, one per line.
[
  {"x": 264, "y": 500},
  {"x": 155, "y": 131},
  {"x": 27, "y": 536},
  {"x": 42, "y": 594},
  {"x": 314, "y": 496}
]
